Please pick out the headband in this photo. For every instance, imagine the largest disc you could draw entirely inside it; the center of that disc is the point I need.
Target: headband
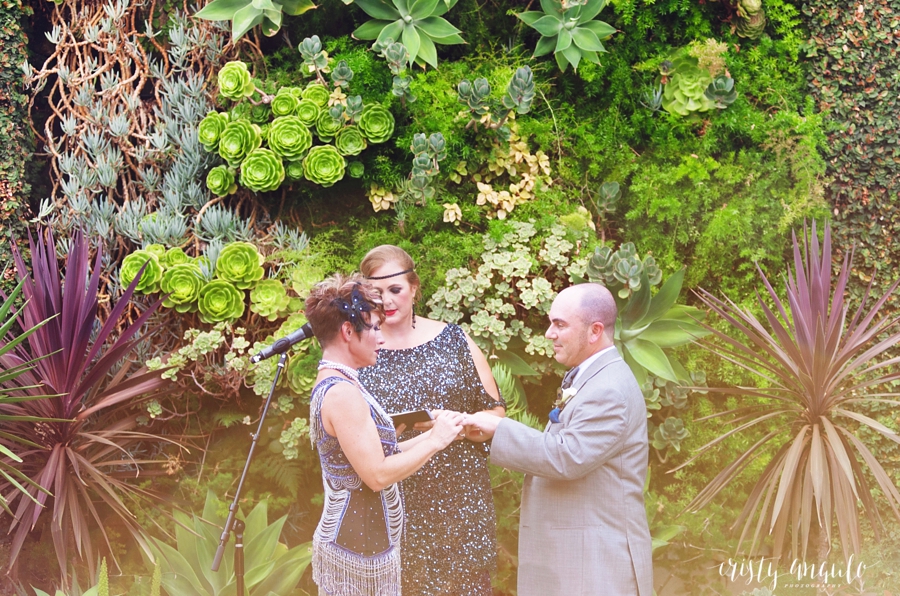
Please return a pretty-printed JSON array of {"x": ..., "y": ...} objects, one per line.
[
  {"x": 391, "y": 275},
  {"x": 354, "y": 309}
]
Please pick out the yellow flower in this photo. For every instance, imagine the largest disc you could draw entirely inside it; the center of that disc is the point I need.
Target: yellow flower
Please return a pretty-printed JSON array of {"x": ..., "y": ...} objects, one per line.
[
  {"x": 486, "y": 194},
  {"x": 381, "y": 198},
  {"x": 337, "y": 97}
]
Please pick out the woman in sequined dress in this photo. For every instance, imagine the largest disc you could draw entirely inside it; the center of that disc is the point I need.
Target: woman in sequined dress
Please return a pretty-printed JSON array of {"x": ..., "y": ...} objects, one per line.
[
  {"x": 449, "y": 547},
  {"x": 356, "y": 550}
]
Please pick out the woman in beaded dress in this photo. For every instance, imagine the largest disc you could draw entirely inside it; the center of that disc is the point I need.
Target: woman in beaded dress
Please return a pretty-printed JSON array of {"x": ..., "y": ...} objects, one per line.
[
  {"x": 356, "y": 550},
  {"x": 449, "y": 547}
]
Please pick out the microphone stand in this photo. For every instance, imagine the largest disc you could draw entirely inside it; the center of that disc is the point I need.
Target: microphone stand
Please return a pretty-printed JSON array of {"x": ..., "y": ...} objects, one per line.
[{"x": 236, "y": 525}]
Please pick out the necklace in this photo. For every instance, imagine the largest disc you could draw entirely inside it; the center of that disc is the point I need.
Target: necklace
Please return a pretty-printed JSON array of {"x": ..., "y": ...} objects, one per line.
[{"x": 341, "y": 368}]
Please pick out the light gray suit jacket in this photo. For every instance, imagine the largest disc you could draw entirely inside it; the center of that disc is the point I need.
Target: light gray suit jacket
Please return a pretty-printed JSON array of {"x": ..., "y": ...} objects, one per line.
[{"x": 583, "y": 529}]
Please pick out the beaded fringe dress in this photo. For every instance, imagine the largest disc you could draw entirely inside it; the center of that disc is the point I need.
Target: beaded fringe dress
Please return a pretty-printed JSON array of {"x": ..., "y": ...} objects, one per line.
[
  {"x": 449, "y": 546},
  {"x": 356, "y": 546}
]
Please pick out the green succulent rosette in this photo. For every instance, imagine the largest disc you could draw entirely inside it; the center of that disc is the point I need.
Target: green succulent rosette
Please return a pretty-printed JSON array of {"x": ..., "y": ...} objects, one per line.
[
  {"x": 158, "y": 249},
  {"x": 235, "y": 81},
  {"x": 356, "y": 169},
  {"x": 289, "y": 138},
  {"x": 304, "y": 277},
  {"x": 349, "y": 141},
  {"x": 308, "y": 112},
  {"x": 241, "y": 264},
  {"x": 299, "y": 373},
  {"x": 317, "y": 93},
  {"x": 269, "y": 299},
  {"x": 220, "y": 301},
  {"x": 685, "y": 93},
  {"x": 260, "y": 114},
  {"x": 238, "y": 139},
  {"x": 377, "y": 123},
  {"x": 210, "y": 128},
  {"x": 220, "y": 181},
  {"x": 132, "y": 264},
  {"x": 181, "y": 284},
  {"x": 284, "y": 103},
  {"x": 262, "y": 170},
  {"x": 174, "y": 256},
  {"x": 326, "y": 126},
  {"x": 323, "y": 165},
  {"x": 293, "y": 170}
]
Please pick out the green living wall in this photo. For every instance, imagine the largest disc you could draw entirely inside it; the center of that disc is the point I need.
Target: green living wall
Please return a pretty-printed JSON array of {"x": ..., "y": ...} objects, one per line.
[{"x": 693, "y": 145}]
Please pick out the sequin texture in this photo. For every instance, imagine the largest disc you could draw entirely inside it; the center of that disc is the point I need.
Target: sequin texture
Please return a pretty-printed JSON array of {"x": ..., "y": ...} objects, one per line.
[{"x": 449, "y": 544}]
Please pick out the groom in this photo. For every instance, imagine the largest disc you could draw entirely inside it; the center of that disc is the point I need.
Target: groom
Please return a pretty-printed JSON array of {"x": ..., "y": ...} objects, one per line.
[{"x": 583, "y": 529}]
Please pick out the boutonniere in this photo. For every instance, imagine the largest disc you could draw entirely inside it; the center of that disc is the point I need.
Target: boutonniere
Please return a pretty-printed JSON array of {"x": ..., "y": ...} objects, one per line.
[{"x": 562, "y": 398}]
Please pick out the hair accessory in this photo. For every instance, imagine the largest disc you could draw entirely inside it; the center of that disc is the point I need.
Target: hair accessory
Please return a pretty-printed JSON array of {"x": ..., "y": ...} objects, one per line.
[
  {"x": 391, "y": 275},
  {"x": 354, "y": 309}
]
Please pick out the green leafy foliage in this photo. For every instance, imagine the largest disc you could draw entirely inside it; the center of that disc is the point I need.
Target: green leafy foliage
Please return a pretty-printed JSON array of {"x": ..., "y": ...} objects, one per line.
[
  {"x": 219, "y": 301},
  {"x": 270, "y": 566},
  {"x": 240, "y": 263}
]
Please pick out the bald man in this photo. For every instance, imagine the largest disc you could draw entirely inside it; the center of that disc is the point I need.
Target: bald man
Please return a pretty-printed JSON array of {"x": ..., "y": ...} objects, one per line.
[{"x": 582, "y": 528}]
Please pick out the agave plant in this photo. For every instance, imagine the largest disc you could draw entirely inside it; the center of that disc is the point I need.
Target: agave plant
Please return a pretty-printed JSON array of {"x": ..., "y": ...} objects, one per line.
[
  {"x": 819, "y": 366},
  {"x": 569, "y": 31},
  {"x": 85, "y": 455},
  {"x": 418, "y": 25},
  {"x": 271, "y": 567}
]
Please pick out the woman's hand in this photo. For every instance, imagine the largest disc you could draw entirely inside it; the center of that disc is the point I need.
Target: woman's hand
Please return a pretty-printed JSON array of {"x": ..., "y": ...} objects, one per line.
[{"x": 446, "y": 428}]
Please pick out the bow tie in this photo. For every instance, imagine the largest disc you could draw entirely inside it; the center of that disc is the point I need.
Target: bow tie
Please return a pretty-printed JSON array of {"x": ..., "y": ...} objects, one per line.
[{"x": 560, "y": 399}]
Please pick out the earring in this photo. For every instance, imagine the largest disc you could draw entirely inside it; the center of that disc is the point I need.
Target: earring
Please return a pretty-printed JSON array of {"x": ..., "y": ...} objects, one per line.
[{"x": 414, "y": 316}]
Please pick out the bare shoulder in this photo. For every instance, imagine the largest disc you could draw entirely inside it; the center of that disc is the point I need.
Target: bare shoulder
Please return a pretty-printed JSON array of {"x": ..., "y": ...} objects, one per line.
[
  {"x": 343, "y": 397},
  {"x": 429, "y": 327}
]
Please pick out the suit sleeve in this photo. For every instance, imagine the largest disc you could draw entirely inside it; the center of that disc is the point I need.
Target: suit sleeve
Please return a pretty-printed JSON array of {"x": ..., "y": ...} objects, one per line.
[{"x": 590, "y": 437}]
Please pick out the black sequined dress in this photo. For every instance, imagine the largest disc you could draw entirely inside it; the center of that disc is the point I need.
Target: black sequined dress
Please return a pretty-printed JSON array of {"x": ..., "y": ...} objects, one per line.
[{"x": 449, "y": 545}]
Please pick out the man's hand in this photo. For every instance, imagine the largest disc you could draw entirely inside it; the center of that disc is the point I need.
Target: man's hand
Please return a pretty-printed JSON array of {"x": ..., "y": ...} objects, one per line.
[{"x": 482, "y": 422}]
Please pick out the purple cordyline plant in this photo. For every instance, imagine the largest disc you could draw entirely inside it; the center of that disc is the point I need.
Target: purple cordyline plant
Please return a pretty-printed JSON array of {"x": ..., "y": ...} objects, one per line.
[
  {"x": 84, "y": 456},
  {"x": 816, "y": 366}
]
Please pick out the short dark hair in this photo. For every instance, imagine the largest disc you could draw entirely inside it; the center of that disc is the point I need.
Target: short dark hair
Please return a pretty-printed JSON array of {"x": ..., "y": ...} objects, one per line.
[{"x": 323, "y": 308}]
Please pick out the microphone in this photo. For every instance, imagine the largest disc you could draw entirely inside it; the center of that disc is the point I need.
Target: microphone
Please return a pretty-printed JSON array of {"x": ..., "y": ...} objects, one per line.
[{"x": 284, "y": 344}]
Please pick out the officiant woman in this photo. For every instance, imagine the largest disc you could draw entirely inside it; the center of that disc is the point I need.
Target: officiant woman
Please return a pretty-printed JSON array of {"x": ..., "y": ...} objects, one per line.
[{"x": 450, "y": 546}]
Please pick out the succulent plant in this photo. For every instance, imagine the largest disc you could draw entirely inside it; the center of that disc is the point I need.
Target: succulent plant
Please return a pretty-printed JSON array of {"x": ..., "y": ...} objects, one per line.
[
  {"x": 285, "y": 102},
  {"x": 151, "y": 275},
  {"x": 262, "y": 170},
  {"x": 327, "y": 125},
  {"x": 308, "y": 112},
  {"x": 417, "y": 25},
  {"x": 220, "y": 181},
  {"x": 476, "y": 96},
  {"x": 317, "y": 93},
  {"x": 608, "y": 196},
  {"x": 670, "y": 434},
  {"x": 269, "y": 299},
  {"x": 685, "y": 93},
  {"x": 220, "y": 301},
  {"x": 181, "y": 285},
  {"x": 246, "y": 14},
  {"x": 156, "y": 249},
  {"x": 570, "y": 32},
  {"x": 349, "y": 141},
  {"x": 751, "y": 19},
  {"x": 353, "y": 108},
  {"x": 289, "y": 138},
  {"x": 293, "y": 170},
  {"x": 721, "y": 92},
  {"x": 240, "y": 264},
  {"x": 377, "y": 123},
  {"x": 323, "y": 165},
  {"x": 303, "y": 277},
  {"x": 342, "y": 74},
  {"x": 239, "y": 138},
  {"x": 315, "y": 59},
  {"x": 520, "y": 91},
  {"x": 235, "y": 81},
  {"x": 210, "y": 128},
  {"x": 174, "y": 256},
  {"x": 356, "y": 169}
]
